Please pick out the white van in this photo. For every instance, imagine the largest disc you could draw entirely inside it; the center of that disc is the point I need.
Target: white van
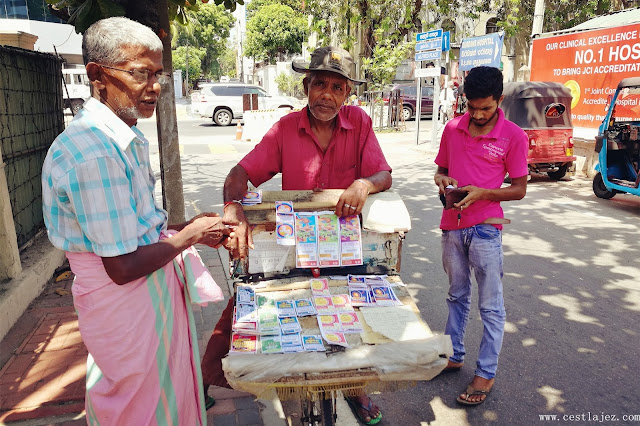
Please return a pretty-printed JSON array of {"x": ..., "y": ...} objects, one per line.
[
  {"x": 222, "y": 102},
  {"x": 76, "y": 88}
]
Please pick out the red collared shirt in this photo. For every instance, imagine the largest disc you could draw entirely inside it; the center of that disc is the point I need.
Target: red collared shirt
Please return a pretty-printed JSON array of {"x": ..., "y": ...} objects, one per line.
[{"x": 291, "y": 148}]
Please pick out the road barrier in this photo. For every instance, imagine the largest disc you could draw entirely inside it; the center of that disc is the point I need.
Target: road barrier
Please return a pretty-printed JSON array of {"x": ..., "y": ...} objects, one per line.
[{"x": 258, "y": 122}]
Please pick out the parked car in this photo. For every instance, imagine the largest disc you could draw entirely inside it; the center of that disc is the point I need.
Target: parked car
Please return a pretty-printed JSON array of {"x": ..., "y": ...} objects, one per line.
[
  {"x": 543, "y": 111},
  {"x": 222, "y": 102},
  {"x": 408, "y": 94}
]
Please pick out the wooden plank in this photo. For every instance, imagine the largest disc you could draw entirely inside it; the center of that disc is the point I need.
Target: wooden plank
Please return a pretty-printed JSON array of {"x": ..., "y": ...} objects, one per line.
[{"x": 265, "y": 212}]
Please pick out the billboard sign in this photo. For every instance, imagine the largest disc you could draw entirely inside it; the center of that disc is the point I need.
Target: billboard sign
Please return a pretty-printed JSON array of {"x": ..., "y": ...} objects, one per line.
[
  {"x": 484, "y": 50},
  {"x": 591, "y": 64}
]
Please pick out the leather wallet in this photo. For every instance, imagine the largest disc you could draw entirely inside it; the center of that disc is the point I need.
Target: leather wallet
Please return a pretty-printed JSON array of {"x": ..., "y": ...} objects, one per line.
[{"x": 453, "y": 195}]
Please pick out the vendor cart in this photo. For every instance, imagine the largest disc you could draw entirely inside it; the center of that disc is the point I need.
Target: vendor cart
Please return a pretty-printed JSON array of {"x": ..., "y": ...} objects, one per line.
[{"x": 395, "y": 347}]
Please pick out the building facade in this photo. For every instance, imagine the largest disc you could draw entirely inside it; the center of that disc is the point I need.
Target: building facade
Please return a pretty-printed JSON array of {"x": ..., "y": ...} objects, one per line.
[{"x": 20, "y": 19}]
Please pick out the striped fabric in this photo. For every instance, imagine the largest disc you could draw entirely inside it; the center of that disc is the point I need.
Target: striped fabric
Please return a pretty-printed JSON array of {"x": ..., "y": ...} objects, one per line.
[
  {"x": 142, "y": 367},
  {"x": 97, "y": 186}
]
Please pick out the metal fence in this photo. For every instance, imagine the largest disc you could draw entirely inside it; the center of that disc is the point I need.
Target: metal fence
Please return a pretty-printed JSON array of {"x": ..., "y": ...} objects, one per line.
[
  {"x": 384, "y": 108},
  {"x": 31, "y": 116}
]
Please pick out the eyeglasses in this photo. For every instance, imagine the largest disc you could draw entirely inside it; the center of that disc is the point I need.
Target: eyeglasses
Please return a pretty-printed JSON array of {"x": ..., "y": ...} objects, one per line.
[{"x": 142, "y": 76}]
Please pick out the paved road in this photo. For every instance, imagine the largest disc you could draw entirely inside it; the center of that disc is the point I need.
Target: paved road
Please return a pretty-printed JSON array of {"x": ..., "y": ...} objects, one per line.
[{"x": 572, "y": 291}]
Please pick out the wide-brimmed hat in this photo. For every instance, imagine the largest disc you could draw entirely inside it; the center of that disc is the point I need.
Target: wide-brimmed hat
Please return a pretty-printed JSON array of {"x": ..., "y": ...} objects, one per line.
[{"x": 332, "y": 59}]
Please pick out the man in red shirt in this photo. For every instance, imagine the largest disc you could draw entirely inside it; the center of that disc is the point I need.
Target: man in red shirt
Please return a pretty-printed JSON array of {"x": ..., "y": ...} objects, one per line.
[{"x": 326, "y": 145}]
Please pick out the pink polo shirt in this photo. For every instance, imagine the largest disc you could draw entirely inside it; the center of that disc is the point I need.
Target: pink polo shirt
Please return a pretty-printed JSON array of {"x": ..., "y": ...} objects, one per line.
[
  {"x": 291, "y": 148},
  {"x": 482, "y": 161}
]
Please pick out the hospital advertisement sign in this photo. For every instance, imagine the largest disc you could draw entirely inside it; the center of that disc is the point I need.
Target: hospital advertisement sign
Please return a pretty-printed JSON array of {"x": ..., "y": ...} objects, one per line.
[{"x": 591, "y": 64}]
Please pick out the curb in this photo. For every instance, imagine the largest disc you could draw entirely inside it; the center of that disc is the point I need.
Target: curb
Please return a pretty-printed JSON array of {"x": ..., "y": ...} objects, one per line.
[{"x": 40, "y": 261}]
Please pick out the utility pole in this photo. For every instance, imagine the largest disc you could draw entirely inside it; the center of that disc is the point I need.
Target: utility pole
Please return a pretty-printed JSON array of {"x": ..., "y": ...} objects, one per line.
[
  {"x": 187, "y": 69},
  {"x": 538, "y": 21},
  {"x": 418, "y": 64}
]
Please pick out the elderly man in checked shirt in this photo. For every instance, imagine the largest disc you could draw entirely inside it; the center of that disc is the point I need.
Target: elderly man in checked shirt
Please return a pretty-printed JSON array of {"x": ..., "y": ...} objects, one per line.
[{"x": 135, "y": 276}]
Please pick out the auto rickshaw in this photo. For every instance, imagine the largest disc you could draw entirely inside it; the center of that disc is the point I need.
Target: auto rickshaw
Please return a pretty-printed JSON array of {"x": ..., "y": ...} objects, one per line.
[
  {"x": 543, "y": 111},
  {"x": 617, "y": 143}
]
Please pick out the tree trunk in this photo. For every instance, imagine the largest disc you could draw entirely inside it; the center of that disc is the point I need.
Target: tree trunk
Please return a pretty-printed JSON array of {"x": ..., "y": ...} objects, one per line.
[{"x": 170, "y": 167}]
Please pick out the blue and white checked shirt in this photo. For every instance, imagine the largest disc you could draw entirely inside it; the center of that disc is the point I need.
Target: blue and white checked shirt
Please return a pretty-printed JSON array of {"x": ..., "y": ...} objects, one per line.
[{"x": 97, "y": 186}]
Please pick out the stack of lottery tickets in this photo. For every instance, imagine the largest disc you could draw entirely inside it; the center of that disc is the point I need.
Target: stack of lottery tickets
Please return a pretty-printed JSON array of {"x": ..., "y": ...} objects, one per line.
[
  {"x": 336, "y": 315},
  {"x": 371, "y": 290},
  {"x": 252, "y": 197},
  {"x": 264, "y": 325},
  {"x": 285, "y": 223}
]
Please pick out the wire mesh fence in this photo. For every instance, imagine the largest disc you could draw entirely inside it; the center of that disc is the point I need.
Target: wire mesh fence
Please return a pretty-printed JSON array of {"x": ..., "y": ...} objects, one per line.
[{"x": 31, "y": 116}]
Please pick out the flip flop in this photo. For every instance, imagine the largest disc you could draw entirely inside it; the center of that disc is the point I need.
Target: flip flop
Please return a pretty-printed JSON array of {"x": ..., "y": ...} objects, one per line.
[
  {"x": 209, "y": 402},
  {"x": 355, "y": 406},
  {"x": 471, "y": 391}
]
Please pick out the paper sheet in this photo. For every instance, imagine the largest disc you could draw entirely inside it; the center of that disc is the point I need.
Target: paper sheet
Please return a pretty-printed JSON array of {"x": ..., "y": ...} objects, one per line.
[{"x": 398, "y": 323}]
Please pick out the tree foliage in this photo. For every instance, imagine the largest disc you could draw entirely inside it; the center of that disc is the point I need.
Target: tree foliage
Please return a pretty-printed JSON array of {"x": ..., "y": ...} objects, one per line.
[
  {"x": 82, "y": 13},
  {"x": 387, "y": 27},
  {"x": 208, "y": 28},
  {"x": 227, "y": 61},
  {"x": 516, "y": 17},
  {"x": 385, "y": 59},
  {"x": 391, "y": 20},
  {"x": 387, "y": 24},
  {"x": 274, "y": 31},
  {"x": 194, "y": 55},
  {"x": 254, "y": 5},
  {"x": 290, "y": 84}
]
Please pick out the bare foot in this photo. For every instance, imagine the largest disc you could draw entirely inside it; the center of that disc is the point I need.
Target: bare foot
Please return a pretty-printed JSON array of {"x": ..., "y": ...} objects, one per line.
[{"x": 478, "y": 383}]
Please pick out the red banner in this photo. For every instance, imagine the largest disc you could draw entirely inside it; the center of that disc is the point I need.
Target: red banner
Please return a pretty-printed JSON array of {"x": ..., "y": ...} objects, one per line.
[{"x": 591, "y": 64}]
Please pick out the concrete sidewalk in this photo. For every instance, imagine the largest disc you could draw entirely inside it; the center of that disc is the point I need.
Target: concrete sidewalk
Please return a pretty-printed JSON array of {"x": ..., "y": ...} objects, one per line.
[{"x": 43, "y": 359}]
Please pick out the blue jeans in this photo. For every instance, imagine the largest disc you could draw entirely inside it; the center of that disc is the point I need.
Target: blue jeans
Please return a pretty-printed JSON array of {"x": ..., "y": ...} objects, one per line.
[{"x": 479, "y": 248}]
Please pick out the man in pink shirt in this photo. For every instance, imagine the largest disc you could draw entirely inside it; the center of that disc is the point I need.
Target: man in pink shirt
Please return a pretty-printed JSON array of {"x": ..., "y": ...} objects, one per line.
[
  {"x": 476, "y": 151},
  {"x": 324, "y": 146}
]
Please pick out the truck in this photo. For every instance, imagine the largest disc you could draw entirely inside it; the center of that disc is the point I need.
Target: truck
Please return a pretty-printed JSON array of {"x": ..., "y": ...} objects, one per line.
[
  {"x": 76, "y": 88},
  {"x": 590, "y": 59}
]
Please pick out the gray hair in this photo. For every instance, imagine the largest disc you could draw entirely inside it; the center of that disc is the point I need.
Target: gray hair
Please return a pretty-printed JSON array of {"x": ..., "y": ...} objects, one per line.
[{"x": 103, "y": 42}]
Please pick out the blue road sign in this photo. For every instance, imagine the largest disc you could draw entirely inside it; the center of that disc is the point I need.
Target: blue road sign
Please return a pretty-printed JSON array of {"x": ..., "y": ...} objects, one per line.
[
  {"x": 429, "y": 34},
  {"x": 484, "y": 50},
  {"x": 430, "y": 44},
  {"x": 446, "y": 45},
  {"x": 428, "y": 55}
]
